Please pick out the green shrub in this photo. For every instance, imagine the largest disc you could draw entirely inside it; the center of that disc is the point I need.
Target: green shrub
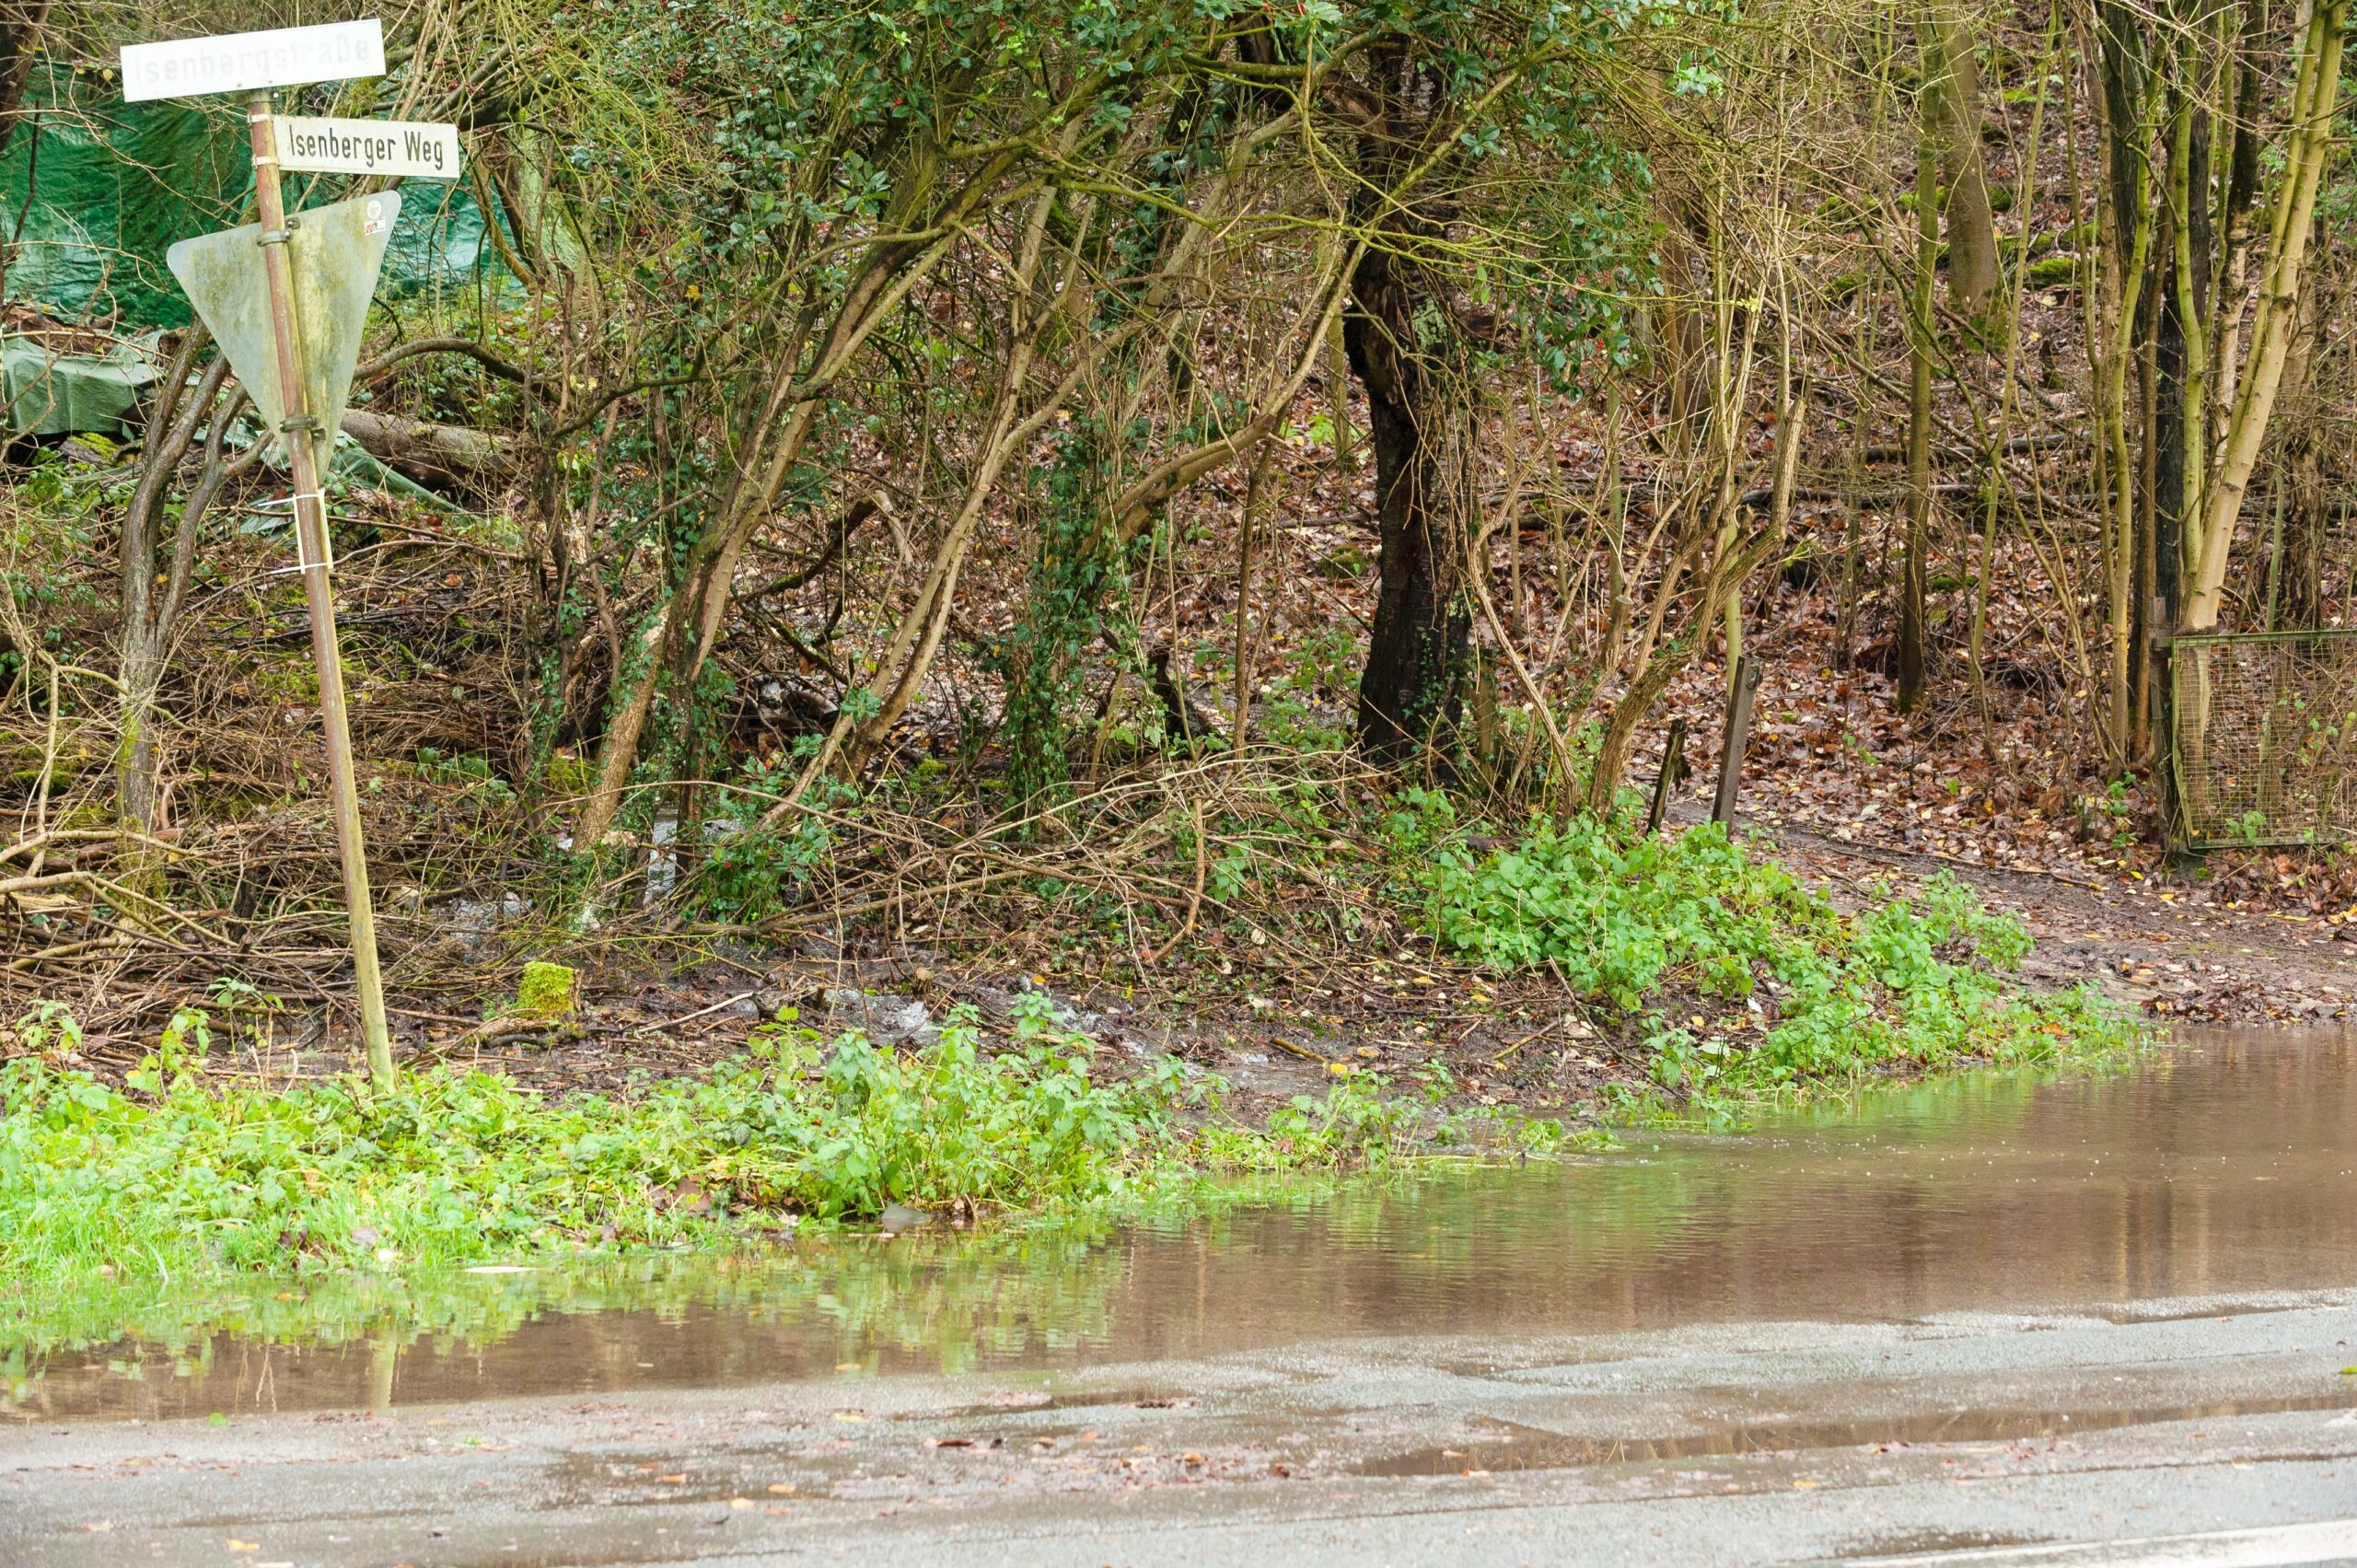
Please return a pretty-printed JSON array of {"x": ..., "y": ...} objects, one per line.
[
  {"x": 1630, "y": 922},
  {"x": 755, "y": 869}
]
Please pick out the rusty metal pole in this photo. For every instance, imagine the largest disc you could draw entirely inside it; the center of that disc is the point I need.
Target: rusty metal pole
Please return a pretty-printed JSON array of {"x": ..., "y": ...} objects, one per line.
[{"x": 302, "y": 435}]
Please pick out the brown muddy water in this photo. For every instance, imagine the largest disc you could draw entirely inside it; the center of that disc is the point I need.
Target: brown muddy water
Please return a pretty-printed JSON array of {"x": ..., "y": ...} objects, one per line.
[{"x": 2222, "y": 1167}]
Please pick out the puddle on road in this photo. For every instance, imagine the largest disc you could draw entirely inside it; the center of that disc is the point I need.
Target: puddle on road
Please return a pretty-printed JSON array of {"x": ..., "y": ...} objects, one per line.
[
  {"x": 1509, "y": 1445},
  {"x": 2227, "y": 1166}
]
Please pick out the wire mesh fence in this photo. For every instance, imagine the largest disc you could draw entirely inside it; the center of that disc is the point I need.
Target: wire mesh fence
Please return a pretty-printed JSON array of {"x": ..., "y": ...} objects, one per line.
[{"x": 2265, "y": 737}]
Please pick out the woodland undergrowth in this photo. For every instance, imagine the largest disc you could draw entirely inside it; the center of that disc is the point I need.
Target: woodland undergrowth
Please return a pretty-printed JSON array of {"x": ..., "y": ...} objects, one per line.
[{"x": 1742, "y": 988}]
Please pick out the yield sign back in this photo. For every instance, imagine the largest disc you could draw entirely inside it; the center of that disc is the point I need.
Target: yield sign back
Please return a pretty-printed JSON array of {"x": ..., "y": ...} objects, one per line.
[{"x": 332, "y": 256}]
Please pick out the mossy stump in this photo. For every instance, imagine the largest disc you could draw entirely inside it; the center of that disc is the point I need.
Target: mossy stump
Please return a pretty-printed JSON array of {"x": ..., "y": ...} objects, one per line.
[{"x": 548, "y": 993}]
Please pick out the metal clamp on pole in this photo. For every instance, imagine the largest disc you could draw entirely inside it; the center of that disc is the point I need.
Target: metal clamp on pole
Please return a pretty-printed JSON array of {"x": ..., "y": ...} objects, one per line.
[{"x": 293, "y": 503}]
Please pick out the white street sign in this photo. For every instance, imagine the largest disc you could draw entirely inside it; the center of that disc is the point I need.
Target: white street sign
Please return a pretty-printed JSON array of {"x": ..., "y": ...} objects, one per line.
[
  {"x": 245, "y": 62},
  {"x": 411, "y": 149}
]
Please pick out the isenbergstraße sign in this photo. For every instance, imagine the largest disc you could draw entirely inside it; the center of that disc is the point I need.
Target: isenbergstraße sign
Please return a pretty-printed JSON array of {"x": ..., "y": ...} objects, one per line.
[
  {"x": 248, "y": 62},
  {"x": 406, "y": 149}
]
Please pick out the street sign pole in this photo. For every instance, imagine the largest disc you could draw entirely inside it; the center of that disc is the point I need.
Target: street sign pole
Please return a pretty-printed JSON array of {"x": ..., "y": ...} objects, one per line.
[{"x": 304, "y": 440}]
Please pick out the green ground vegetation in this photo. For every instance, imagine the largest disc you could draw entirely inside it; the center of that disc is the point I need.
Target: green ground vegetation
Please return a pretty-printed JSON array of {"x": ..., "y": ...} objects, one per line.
[
  {"x": 181, "y": 1174},
  {"x": 1744, "y": 982},
  {"x": 964, "y": 1299}
]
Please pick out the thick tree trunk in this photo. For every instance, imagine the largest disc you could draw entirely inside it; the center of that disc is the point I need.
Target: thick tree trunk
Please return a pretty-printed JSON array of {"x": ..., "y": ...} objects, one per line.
[
  {"x": 1409, "y": 348},
  {"x": 2117, "y": 338},
  {"x": 2304, "y": 503},
  {"x": 2181, "y": 394},
  {"x": 1423, "y": 432},
  {"x": 2182, "y": 352}
]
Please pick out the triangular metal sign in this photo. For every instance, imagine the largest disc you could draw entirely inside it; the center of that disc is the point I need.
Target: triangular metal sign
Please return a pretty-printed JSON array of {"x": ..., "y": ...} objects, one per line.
[{"x": 333, "y": 256}]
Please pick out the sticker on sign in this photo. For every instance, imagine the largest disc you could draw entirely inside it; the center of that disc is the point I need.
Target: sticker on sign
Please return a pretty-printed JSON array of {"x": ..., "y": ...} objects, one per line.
[
  {"x": 245, "y": 62},
  {"x": 409, "y": 150}
]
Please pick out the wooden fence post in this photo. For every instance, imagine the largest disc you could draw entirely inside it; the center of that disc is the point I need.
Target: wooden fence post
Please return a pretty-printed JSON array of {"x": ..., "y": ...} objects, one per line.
[
  {"x": 1673, "y": 768},
  {"x": 1738, "y": 730}
]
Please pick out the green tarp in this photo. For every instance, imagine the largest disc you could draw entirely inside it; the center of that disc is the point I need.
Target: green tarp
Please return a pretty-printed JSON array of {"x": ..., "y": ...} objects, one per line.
[
  {"x": 114, "y": 184},
  {"x": 54, "y": 393}
]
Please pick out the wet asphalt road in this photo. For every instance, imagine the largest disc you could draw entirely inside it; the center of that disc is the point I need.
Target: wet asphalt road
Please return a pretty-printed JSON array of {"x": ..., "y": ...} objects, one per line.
[{"x": 2195, "y": 1432}]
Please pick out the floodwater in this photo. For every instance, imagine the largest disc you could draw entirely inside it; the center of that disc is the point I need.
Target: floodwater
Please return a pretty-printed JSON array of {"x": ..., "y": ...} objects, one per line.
[{"x": 2226, "y": 1166}]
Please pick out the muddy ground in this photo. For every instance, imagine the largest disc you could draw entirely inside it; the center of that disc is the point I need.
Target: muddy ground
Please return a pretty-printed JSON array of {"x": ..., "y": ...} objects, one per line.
[
  {"x": 1281, "y": 1026},
  {"x": 1512, "y": 1040}
]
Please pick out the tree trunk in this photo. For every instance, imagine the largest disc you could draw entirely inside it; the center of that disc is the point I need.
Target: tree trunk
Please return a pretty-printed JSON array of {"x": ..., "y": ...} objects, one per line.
[
  {"x": 1255, "y": 489},
  {"x": 1338, "y": 392},
  {"x": 21, "y": 25},
  {"x": 1621, "y": 731},
  {"x": 1951, "y": 116},
  {"x": 2115, "y": 334},
  {"x": 2305, "y": 516},
  {"x": 433, "y": 454},
  {"x": 2303, "y": 504},
  {"x": 1653, "y": 678},
  {"x": 2314, "y": 104},
  {"x": 2181, "y": 370},
  {"x": 1409, "y": 350},
  {"x": 1911, "y": 629},
  {"x": 1411, "y": 691},
  {"x": 150, "y": 603}
]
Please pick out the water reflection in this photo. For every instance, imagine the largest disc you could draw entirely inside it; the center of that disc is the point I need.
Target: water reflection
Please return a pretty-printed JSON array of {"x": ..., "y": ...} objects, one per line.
[{"x": 2227, "y": 1167}]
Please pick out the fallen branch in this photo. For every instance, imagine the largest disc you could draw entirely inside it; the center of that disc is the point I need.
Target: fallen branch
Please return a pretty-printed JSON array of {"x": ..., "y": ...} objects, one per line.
[{"x": 432, "y": 454}]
